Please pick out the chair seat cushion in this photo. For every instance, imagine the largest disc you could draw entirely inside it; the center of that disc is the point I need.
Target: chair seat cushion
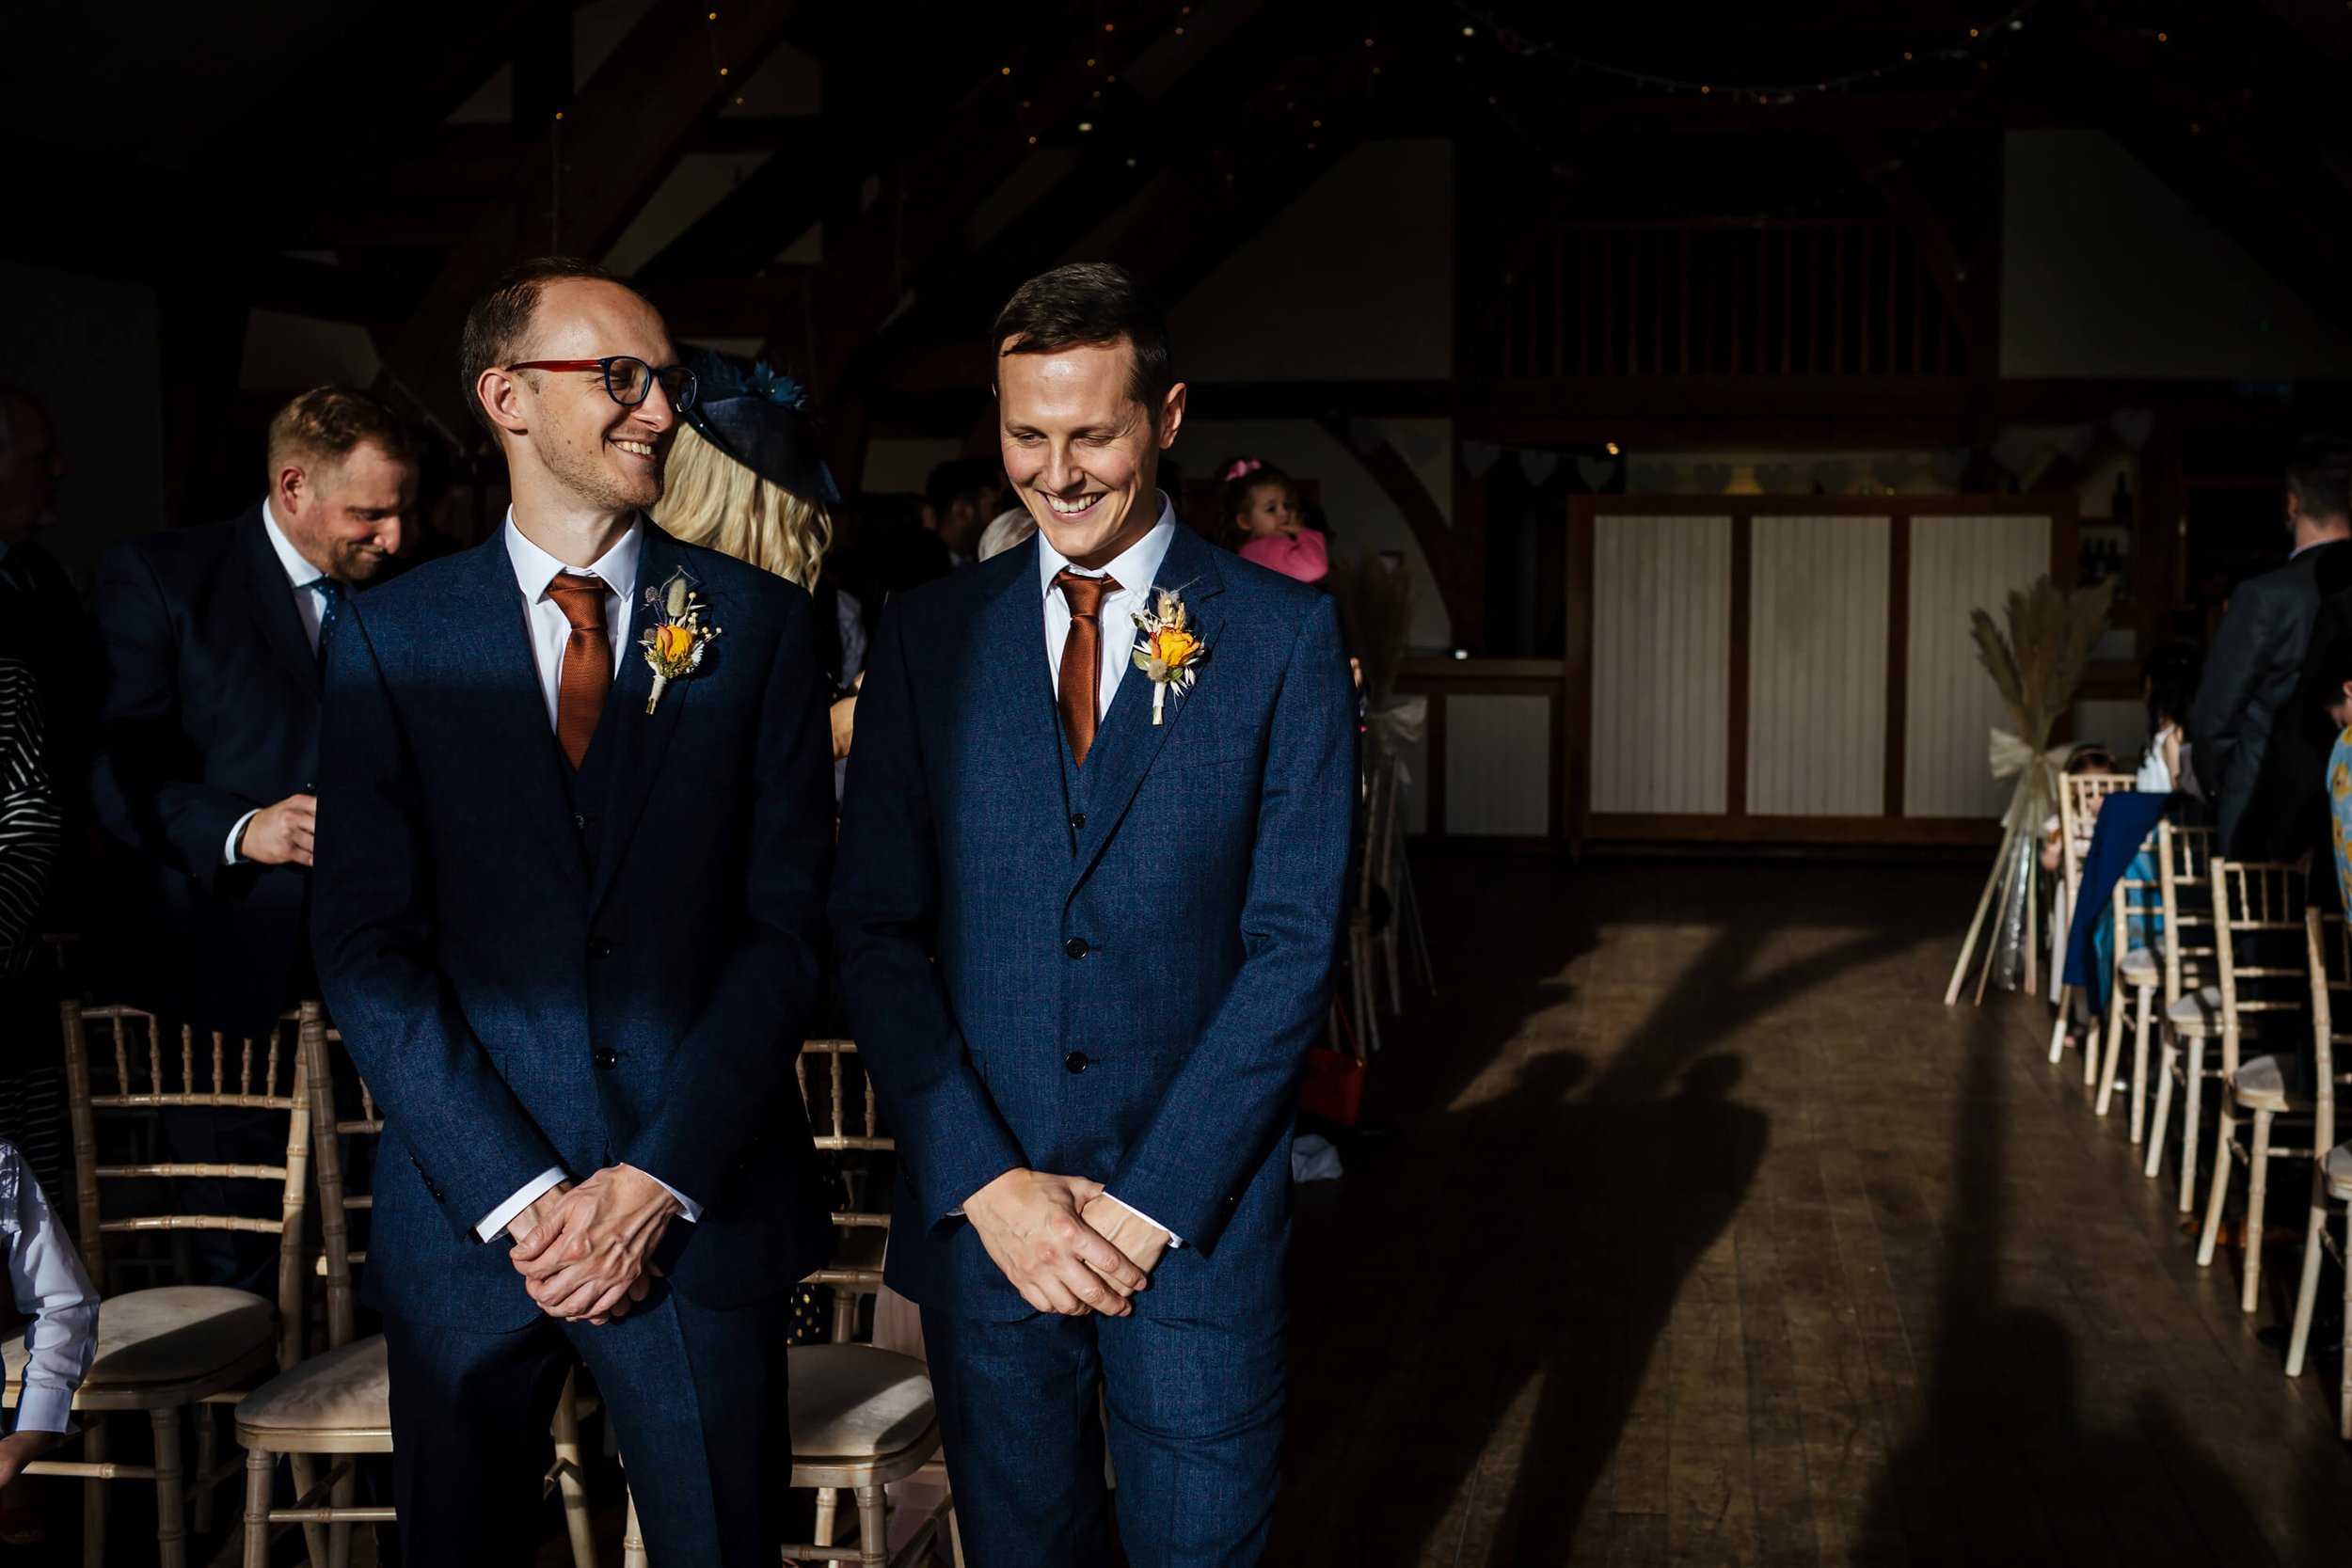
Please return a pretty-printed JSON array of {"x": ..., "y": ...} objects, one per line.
[
  {"x": 2338, "y": 1166},
  {"x": 854, "y": 1401},
  {"x": 173, "y": 1334},
  {"x": 2199, "y": 1012},
  {"x": 345, "y": 1392},
  {"x": 2269, "y": 1083},
  {"x": 2142, "y": 966}
]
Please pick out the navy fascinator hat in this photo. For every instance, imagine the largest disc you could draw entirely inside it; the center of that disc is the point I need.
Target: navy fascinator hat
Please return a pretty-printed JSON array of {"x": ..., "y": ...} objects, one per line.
[{"x": 759, "y": 419}]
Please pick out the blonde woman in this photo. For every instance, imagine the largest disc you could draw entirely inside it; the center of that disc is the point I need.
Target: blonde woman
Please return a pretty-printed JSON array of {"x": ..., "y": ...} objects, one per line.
[{"x": 746, "y": 476}]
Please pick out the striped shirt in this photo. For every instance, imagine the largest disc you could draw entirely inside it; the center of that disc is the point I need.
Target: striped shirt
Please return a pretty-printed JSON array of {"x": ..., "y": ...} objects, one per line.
[{"x": 30, "y": 829}]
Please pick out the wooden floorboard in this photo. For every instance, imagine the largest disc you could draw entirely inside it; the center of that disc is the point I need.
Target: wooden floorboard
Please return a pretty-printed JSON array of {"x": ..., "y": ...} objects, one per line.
[{"x": 1710, "y": 1236}]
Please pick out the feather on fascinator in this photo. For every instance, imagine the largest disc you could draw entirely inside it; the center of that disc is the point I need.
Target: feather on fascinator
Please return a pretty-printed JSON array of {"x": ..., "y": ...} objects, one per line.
[{"x": 760, "y": 419}]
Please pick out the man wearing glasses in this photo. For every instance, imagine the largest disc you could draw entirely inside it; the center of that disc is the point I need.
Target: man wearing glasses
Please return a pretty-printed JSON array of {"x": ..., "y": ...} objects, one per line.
[{"x": 566, "y": 916}]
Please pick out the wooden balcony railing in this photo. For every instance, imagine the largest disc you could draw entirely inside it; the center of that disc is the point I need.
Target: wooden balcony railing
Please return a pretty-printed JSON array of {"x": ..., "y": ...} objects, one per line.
[{"x": 1821, "y": 297}]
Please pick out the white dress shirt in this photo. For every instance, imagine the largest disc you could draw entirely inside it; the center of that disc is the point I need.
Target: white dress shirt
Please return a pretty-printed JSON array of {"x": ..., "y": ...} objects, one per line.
[
  {"x": 1135, "y": 569},
  {"x": 311, "y": 605},
  {"x": 534, "y": 569},
  {"x": 51, "y": 1287}
]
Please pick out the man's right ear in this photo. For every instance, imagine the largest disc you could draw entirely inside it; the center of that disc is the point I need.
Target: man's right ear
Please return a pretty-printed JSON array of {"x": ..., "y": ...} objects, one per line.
[{"x": 502, "y": 399}]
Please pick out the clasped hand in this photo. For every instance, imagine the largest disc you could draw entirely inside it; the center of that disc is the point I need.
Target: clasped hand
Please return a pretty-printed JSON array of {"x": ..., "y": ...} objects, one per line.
[
  {"x": 585, "y": 1251},
  {"x": 1065, "y": 1247}
]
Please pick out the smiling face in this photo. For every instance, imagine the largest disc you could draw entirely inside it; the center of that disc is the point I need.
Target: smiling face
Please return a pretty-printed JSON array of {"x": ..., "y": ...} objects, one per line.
[
  {"x": 1082, "y": 452},
  {"x": 607, "y": 456},
  {"x": 346, "y": 515}
]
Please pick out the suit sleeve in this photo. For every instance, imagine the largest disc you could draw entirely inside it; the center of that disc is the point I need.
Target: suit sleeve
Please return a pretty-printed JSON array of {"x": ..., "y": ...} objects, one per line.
[
  {"x": 885, "y": 920},
  {"x": 724, "y": 1077},
  {"x": 1239, "y": 1087},
  {"x": 144, "y": 783},
  {"x": 373, "y": 927},
  {"x": 2233, "y": 674}
]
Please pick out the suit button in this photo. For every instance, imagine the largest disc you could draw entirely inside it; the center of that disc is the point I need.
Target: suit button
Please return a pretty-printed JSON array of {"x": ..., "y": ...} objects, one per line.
[
  {"x": 1076, "y": 947},
  {"x": 605, "y": 1057},
  {"x": 1078, "y": 822},
  {"x": 599, "y": 949},
  {"x": 1076, "y": 1061}
]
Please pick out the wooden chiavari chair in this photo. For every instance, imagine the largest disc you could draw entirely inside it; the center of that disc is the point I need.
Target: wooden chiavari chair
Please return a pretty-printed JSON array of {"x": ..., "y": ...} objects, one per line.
[
  {"x": 171, "y": 1349},
  {"x": 844, "y": 1117},
  {"x": 2079, "y": 795},
  {"x": 2192, "y": 993},
  {"x": 2138, "y": 906},
  {"x": 2330, "y": 951},
  {"x": 337, "y": 1405},
  {"x": 2254, "y": 905}
]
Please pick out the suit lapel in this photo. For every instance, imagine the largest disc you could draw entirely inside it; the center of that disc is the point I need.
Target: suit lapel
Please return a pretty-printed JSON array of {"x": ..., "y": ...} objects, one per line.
[
  {"x": 494, "y": 623},
  {"x": 641, "y": 741},
  {"x": 1129, "y": 742},
  {"x": 269, "y": 596},
  {"x": 1016, "y": 694}
]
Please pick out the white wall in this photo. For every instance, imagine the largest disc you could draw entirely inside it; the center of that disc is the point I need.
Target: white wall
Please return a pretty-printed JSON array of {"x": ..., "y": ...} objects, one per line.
[
  {"x": 1352, "y": 281},
  {"x": 87, "y": 348},
  {"x": 2107, "y": 272}
]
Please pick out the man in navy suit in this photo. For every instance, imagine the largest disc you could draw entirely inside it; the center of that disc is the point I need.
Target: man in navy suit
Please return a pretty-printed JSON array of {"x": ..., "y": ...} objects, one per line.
[
  {"x": 568, "y": 915},
  {"x": 208, "y": 738},
  {"x": 1086, "y": 927},
  {"x": 206, "y": 757}
]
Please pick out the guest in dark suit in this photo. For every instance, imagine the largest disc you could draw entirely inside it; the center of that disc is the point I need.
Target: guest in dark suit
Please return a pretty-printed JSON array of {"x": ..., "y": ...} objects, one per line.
[
  {"x": 568, "y": 914},
  {"x": 1087, "y": 923},
  {"x": 2242, "y": 712},
  {"x": 207, "y": 742}
]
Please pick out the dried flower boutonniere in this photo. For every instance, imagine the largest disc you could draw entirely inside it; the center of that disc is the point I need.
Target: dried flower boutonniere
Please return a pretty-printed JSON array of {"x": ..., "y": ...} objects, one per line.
[
  {"x": 1170, "y": 651},
  {"x": 674, "y": 643}
]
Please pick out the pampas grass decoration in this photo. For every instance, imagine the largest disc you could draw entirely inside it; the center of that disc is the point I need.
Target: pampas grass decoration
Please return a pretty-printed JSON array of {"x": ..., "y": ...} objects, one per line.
[{"x": 2036, "y": 667}]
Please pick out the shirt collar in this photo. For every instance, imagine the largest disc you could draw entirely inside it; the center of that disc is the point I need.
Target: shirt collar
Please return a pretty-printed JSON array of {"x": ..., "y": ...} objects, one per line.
[
  {"x": 298, "y": 568},
  {"x": 1136, "y": 568},
  {"x": 535, "y": 568}
]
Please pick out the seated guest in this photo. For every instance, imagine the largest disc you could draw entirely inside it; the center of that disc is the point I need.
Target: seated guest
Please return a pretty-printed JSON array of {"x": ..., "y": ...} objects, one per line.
[
  {"x": 49, "y": 1287},
  {"x": 746, "y": 478},
  {"x": 42, "y": 623},
  {"x": 32, "y": 1100},
  {"x": 211, "y": 642},
  {"x": 2243, "y": 713},
  {"x": 1262, "y": 522},
  {"x": 959, "y": 499},
  {"x": 2335, "y": 690},
  {"x": 2168, "y": 681},
  {"x": 892, "y": 549}
]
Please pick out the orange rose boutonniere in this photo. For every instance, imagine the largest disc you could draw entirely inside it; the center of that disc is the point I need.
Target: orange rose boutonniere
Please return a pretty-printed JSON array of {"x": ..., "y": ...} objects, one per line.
[
  {"x": 1168, "y": 650},
  {"x": 675, "y": 641}
]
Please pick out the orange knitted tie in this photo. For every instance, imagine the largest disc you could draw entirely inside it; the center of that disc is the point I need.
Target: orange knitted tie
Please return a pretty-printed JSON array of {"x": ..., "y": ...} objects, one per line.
[
  {"x": 1082, "y": 657},
  {"x": 587, "y": 677}
]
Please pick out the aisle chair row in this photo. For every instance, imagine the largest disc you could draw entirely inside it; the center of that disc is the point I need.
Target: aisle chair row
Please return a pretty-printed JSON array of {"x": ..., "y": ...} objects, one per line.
[{"x": 860, "y": 1418}]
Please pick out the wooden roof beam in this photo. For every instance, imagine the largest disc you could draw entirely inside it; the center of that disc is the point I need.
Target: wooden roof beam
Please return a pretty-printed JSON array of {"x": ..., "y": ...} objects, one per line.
[{"x": 580, "y": 184}]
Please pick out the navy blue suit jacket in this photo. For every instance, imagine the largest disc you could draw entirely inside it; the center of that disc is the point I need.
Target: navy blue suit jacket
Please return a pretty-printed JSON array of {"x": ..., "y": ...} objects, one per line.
[
  {"x": 210, "y": 709},
  {"x": 1171, "y": 933},
  {"x": 481, "y": 962}
]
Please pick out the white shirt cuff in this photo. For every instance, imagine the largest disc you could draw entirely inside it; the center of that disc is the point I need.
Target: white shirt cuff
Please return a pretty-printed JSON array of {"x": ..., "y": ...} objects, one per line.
[
  {"x": 42, "y": 1408},
  {"x": 1173, "y": 1240},
  {"x": 229, "y": 855},
  {"x": 690, "y": 1210},
  {"x": 525, "y": 1195}
]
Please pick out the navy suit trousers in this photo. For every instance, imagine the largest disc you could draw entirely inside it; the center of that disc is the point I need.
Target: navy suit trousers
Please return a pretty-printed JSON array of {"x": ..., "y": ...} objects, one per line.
[
  {"x": 1196, "y": 1434},
  {"x": 696, "y": 1395}
]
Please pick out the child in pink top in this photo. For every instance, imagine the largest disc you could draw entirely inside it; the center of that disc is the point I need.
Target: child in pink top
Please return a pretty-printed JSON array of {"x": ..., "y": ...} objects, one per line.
[{"x": 1261, "y": 515}]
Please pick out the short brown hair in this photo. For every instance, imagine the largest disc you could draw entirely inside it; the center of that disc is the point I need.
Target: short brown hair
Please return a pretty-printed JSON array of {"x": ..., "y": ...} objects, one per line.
[
  {"x": 326, "y": 424},
  {"x": 1084, "y": 304},
  {"x": 498, "y": 328}
]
